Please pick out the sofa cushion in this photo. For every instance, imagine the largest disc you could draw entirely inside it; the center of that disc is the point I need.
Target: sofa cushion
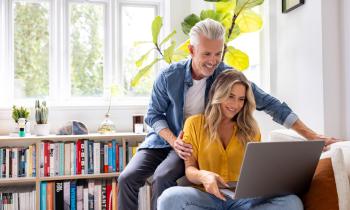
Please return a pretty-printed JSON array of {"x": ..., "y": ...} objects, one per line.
[{"x": 329, "y": 188}]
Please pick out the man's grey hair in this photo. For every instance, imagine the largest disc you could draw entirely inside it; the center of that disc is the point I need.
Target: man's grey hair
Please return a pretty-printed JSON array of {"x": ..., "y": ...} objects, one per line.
[{"x": 209, "y": 28}]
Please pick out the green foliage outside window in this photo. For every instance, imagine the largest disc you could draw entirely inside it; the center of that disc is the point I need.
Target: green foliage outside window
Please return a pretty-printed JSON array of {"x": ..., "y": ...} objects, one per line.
[
  {"x": 31, "y": 49},
  {"x": 86, "y": 49}
]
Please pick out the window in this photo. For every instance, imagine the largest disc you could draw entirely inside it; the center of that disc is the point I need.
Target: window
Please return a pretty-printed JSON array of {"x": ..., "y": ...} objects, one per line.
[
  {"x": 134, "y": 20},
  {"x": 86, "y": 48},
  {"x": 73, "y": 51},
  {"x": 31, "y": 48}
]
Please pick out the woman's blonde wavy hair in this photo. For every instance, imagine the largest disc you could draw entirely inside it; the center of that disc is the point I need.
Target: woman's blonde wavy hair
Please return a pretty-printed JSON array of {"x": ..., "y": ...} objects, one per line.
[{"x": 247, "y": 127}]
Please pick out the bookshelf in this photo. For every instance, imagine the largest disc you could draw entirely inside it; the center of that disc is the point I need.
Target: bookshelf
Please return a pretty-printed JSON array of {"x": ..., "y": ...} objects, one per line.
[{"x": 122, "y": 139}]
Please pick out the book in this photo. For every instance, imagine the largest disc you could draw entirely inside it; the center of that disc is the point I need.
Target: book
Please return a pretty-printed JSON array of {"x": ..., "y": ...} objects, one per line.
[
  {"x": 59, "y": 200},
  {"x": 66, "y": 195},
  {"x": 50, "y": 195},
  {"x": 43, "y": 187},
  {"x": 67, "y": 159},
  {"x": 73, "y": 195}
]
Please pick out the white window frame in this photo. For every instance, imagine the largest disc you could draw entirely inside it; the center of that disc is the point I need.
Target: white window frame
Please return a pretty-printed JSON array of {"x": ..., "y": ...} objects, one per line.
[{"x": 59, "y": 73}]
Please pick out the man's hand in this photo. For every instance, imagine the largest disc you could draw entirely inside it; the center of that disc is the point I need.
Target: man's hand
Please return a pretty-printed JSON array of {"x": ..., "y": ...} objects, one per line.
[
  {"x": 211, "y": 182},
  {"x": 181, "y": 148},
  {"x": 327, "y": 141},
  {"x": 309, "y": 134}
]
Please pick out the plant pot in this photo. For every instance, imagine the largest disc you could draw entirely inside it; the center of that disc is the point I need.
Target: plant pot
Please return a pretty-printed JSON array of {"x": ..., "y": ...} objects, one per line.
[{"x": 42, "y": 129}]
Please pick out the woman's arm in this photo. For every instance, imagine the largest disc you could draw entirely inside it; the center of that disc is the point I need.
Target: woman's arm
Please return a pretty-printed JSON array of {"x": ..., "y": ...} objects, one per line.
[{"x": 208, "y": 179}]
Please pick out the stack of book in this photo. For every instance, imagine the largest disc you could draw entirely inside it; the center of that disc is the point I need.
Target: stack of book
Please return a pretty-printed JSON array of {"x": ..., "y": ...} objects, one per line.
[
  {"x": 80, "y": 157},
  {"x": 18, "y": 162},
  {"x": 21, "y": 199},
  {"x": 81, "y": 194}
]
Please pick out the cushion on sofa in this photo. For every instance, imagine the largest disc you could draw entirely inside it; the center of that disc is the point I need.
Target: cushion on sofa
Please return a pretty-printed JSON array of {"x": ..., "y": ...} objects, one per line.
[{"x": 329, "y": 188}]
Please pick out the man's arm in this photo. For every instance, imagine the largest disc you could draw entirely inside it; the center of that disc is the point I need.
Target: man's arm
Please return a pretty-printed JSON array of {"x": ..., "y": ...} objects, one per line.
[
  {"x": 309, "y": 134},
  {"x": 283, "y": 115},
  {"x": 157, "y": 120}
]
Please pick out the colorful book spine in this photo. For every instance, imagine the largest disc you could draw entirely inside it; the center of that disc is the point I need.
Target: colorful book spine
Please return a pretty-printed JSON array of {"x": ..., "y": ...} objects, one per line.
[
  {"x": 59, "y": 200},
  {"x": 43, "y": 187},
  {"x": 73, "y": 195},
  {"x": 114, "y": 165}
]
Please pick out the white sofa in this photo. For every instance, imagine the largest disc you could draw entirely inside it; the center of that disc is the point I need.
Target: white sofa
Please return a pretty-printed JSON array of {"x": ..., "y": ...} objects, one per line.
[{"x": 339, "y": 154}]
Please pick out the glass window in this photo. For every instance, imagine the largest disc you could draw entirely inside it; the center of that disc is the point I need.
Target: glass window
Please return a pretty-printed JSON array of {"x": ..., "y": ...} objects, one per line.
[
  {"x": 136, "y": 24},
  {"x": 86, "y": 48},
  {"x": 31, "y": 49}
]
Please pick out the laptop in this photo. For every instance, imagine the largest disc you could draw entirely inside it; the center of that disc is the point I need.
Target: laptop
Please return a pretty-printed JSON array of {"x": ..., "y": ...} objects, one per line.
[{"x": 276, "y": 168}]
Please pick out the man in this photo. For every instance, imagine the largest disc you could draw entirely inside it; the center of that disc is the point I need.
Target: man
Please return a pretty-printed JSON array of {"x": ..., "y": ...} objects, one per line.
[{"x": 179, "y": 92}]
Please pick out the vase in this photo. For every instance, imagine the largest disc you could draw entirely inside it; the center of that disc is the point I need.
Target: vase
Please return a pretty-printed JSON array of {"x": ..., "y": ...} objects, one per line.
[
  {"x": 107, "y": 126},
  {"x": 42, "y": 129}
]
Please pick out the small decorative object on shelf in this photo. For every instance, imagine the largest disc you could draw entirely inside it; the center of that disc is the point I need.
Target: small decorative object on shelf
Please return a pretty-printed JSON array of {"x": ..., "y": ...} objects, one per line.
[
  {"x": 137, "y": 122},
  {"x": 18, "y": 113},
  {"x": 41, "y": 117},
  {"x": 73, "y": 128},
  {"x": 107, "y": 126},
  {"x": 21, "y": 126}
]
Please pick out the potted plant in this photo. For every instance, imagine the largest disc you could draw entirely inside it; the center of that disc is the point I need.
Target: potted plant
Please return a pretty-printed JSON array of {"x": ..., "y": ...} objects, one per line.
[
  {"x": 21, "y": 112},
  {"x": 41, "y": 117}
]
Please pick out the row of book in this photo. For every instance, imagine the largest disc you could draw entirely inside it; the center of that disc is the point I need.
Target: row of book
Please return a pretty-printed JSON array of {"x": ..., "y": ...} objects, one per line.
[
  {"x": 17, "y": 200},
  {"x": 79, "y": 195},
  {"x": 18, "y": 162},
  {"x": 83, "y": 157}
]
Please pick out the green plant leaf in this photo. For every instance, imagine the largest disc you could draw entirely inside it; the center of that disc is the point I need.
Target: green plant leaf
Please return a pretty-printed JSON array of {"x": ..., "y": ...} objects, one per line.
[
  {"x": 246, "y": 4},
  {"x": 236, "y": 58},
  {"x": 156, "y": 26},
  {"x": 249, "y": 21},
  {"x": 137, "y": 43},
  {"x": 142, "y": 59},
  {"x": 168, "y": 37},
  {"x": 235, "y": 33},
  {"x": 168, "y": 52},
  {"x": 226, "y": 7},
  {"x": 189, "y": 22},
  {"x": 217, "y": 0},
  {"x": 143, "y": 72},
  {"x": 179, "y": 55},
  {"x": 184, "y": 47},
  {"x": 212, "y": 14}
]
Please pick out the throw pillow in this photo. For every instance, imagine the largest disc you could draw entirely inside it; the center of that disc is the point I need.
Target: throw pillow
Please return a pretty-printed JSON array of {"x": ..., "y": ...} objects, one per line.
[{"x": 322, "y": 194}]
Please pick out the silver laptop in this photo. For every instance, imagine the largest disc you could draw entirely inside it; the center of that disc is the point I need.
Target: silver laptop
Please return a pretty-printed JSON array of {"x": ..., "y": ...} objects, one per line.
[{"x": 276, "y": 168}]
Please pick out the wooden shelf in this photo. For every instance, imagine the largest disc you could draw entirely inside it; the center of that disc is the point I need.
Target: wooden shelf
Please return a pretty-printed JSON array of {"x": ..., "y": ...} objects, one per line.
[
  {"x": 83, "y": 176},
  {"x": 20, "y": 180},
  {"x": 95, "y": 136},
  {"x": 10, "y": 141}
]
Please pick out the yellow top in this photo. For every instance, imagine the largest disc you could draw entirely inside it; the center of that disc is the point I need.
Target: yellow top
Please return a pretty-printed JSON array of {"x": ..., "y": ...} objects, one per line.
[{"x": 213, "y": 156}]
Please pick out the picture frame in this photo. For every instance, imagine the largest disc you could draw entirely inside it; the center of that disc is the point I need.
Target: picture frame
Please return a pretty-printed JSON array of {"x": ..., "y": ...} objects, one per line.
[{"x": 289, "y": 5}]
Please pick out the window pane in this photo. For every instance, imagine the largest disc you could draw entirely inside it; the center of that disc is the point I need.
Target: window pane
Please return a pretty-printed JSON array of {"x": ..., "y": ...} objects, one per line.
[
  {"x": 31, "y": 49},
  {"x": 86, "y": 45},
  {"x": 136, "y": 26}
]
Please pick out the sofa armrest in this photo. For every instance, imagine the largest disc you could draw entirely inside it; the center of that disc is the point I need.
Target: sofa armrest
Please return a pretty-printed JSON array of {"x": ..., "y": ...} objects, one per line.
[{"x": 285, "y": 135}]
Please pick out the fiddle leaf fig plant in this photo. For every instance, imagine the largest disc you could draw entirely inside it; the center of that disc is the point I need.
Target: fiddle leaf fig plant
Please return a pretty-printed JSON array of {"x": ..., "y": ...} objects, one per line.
[{"x": 236, "y": 16}]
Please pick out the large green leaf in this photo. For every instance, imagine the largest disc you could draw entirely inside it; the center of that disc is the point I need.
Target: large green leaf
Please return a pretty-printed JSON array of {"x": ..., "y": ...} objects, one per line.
[
  {"x": 167, "y": 38},
  {"x": 246, "y": 4},
  {"x": 226, "y": 7},
  {"x": 137, "y": 43},
  {"x": 140, "y": 61},
  {"x": 217, "y": 0},
  {"x": 249, "y": 21},
  {"x": 212, "y": 14},
  {"x": 184, "y": 47},
  {"x": 156, "y": 26},
  {"x": 234, "y": 34},
  {"x": 236, "y": 58},
  {"x": 189, "y": 22},
  {"x": 168, "y": 52},
  {"x": 143, "y": 72}
]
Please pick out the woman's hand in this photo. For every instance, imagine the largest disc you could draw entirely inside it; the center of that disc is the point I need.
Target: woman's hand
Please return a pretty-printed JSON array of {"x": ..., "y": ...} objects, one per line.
[{"x": 211, "y": 182}]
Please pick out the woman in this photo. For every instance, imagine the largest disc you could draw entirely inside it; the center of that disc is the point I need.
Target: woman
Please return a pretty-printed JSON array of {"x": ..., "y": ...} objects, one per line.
[{"x": 218, "y": 139}]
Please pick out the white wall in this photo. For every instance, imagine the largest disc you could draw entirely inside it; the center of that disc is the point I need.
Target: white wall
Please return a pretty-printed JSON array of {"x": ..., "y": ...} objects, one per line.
[
  {"x": 307, "y": 69},
  {"x": 345, "y": 51}
]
